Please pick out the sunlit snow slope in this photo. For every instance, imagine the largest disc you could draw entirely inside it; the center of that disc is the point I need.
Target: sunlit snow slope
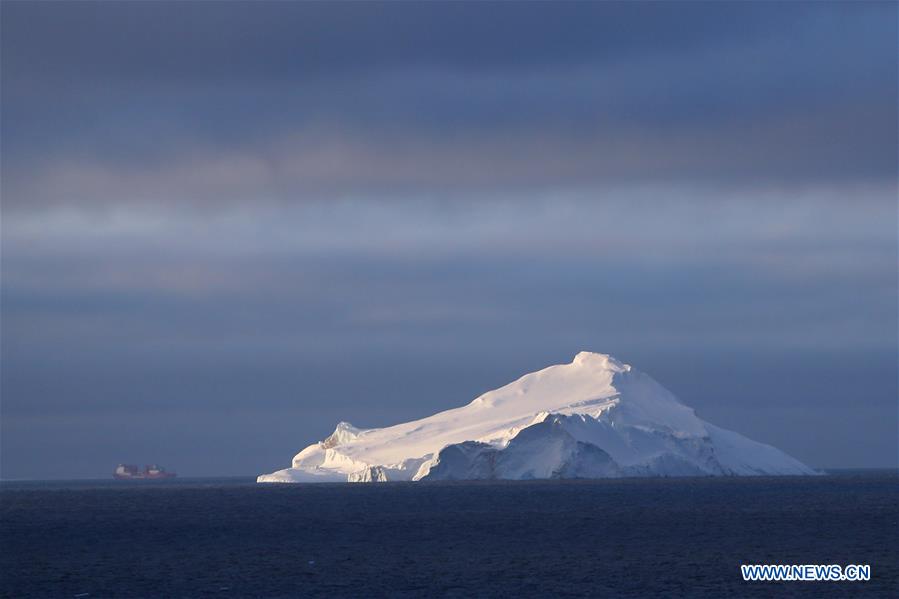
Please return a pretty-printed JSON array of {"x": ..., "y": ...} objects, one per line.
[{"x": 592, "y": 418}]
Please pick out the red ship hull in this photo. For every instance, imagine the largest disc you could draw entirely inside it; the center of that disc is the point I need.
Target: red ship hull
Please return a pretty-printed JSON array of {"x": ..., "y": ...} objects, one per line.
[{"x": 131, "y": 472}]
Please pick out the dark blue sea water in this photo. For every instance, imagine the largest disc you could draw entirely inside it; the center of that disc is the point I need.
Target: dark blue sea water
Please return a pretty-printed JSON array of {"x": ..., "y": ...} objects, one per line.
[{"x": 615, "y": 538}]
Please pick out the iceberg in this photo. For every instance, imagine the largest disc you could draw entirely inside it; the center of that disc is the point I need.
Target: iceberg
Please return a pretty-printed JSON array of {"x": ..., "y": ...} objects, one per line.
[{"x": 594, "y": 417}]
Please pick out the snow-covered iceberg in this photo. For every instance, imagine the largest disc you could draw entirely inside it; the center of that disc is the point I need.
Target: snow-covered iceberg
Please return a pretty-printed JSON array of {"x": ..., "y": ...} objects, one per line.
[{"x": 592, "y": 418}]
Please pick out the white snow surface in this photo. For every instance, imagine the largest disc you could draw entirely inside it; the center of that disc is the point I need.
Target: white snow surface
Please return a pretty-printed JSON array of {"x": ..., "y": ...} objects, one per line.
[{"x": 594, "y": 417}]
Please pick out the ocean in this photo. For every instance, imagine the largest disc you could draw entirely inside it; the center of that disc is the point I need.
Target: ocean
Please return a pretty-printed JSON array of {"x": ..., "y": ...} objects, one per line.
[{"x": 597, "y": 538}]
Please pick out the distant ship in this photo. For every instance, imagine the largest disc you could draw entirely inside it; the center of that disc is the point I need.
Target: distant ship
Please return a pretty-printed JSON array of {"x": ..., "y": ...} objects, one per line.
[{"x": 128, "y": 472}]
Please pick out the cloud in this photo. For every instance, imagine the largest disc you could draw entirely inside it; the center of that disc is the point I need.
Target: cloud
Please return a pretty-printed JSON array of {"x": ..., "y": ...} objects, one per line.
[
  {"x": 293, "y": 103},
  {"x": 645, "y": 269},
  {"x": 253, "y": 220}
]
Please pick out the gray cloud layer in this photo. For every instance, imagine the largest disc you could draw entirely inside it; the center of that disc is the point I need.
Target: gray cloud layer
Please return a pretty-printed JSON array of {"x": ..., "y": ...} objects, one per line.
[
  {"x": 235, "y": 221},
  {"x": 296, "y": 101}
]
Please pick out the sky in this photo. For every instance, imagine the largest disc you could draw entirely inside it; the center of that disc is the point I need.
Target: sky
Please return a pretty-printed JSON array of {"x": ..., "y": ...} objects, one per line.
[{"x": 227, "y": 226}]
